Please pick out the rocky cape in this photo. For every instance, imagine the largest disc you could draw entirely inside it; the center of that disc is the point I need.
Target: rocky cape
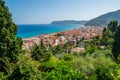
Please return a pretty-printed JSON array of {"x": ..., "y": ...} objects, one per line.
[{"x": 68, "y": 22}]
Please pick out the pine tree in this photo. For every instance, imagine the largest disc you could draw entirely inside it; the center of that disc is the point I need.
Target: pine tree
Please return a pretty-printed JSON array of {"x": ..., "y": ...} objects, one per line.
[
  {"x": 116, "y": 44},
  {"x": 10, "y": 45}
]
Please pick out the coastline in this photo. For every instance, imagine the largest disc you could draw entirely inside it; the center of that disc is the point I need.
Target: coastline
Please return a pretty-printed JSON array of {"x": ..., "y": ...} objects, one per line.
[
  {"x": 28, "y": 31},
  {"x": 53, "y": 33}
]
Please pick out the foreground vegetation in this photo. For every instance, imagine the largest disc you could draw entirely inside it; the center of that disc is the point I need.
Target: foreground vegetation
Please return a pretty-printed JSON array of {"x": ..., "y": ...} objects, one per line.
[{"x": 54, "y": 63}]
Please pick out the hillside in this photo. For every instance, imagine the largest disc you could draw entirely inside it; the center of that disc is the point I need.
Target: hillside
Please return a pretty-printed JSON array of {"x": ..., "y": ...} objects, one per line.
[
  {"x": 68, "y": 22},
  {"x": 103, "y": 20}
]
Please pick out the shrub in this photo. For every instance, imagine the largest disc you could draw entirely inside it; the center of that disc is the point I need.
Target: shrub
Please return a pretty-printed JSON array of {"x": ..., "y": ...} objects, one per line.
[
  {"x": 64, "y": 71},
  {"x": 1, "y": 76},
  {"x": 68, "y": 57},
  {"x": 93, "y": 77},
  {"x": 28, "y": 70},
  {"x": 103, "y": 73}
]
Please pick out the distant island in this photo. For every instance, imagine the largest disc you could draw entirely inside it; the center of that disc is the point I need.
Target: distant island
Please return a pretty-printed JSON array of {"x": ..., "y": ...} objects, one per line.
[{"x": 69, "y": 22}]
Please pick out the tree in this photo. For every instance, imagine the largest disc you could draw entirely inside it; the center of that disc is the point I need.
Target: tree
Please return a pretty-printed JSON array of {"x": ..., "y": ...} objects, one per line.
[
  {"x": 10, "y": 45},
  {"x": 103, "y": 73},
  {"x": 40, "y": 54},
  {"x": 57, "y": 50},
  {"x": 26, "y": 70},
  {"x": 107, "y": 36},
  {"x": 104, "y": 30},
  {"x": 5, "y": 66},
  {"x": 112, "y": 26},
  {"x": 116, "y": 44},
  {"x": 1, "y": 76}
]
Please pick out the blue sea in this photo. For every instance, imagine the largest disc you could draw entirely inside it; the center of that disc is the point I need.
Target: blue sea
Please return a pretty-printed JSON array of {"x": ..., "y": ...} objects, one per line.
[{"x": 27, "y": 31}]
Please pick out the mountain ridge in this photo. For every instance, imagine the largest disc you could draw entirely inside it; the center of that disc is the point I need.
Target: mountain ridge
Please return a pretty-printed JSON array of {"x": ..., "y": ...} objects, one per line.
[{"x": 104, "y": 19}]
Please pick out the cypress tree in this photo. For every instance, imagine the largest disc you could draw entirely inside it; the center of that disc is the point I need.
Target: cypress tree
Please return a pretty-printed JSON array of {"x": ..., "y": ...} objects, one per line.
[
  {"x": 116, "y": 44},
  {"x": 112, "y": 26},
  {"x": 10, "y": 45}
]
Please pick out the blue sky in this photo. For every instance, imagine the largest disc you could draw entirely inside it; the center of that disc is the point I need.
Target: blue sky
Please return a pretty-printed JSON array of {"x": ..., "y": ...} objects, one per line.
[{"x": 45, "y": 11}]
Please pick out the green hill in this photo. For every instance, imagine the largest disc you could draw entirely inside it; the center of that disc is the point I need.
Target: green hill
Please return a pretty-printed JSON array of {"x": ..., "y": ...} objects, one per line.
[{"x": 103, "y": 20}]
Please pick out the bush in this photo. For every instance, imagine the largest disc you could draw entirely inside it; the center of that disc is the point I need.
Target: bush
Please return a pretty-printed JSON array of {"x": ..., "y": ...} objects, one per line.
[
  {"x": 103, "y": 73},
  {"x": 115, "y": 71},
  {"x": 64, "y": 71},
  {"x": 49, "y": 65},
  {"x": 91, "y": 62},
  {"x": 1, "y": 76},
  {"x": 93, "y": 77},
  {"x": 28, "y": 70},
  {"x": 68, "y": 57},
  {"x": 39, "y": 53}
]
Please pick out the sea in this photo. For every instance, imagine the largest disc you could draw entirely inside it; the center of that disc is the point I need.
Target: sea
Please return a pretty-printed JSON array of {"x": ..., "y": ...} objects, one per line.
[{"x": 32, "y": 30}]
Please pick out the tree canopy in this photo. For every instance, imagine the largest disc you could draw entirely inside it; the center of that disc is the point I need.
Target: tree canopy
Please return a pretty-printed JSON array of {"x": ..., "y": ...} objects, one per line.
[
  {"x": 10, "y": 45},
  {"x": 116, "y": 44}
]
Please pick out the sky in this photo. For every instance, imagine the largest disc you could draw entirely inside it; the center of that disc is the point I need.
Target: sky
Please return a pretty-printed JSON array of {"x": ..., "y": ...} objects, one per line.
[{"x": 46, "y": 11}]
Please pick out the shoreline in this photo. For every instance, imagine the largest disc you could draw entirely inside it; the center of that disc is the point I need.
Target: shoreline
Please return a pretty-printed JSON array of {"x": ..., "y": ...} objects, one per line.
[
  {"x": 29, "y": 31},
  {"x": 53, "y": 32},
  {"x": 63, "y": 31}
]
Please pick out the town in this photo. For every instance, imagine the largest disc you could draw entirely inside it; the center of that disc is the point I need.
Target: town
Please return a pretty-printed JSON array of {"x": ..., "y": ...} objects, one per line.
[{"x": 60, "y": 38}]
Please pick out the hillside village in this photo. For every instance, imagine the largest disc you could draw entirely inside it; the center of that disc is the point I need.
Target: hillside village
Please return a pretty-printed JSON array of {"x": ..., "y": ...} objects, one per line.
[{"x": 61, "y": 38}]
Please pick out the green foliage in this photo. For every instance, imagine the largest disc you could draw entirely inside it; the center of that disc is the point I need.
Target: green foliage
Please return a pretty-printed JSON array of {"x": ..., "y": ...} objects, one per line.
[
  {"x": 40, "y": 53},
  {"x": 104, "y": 30},
  {"x": 93, "y": 77},
  {"x": 103, "y": 73},
  {"x": 1, "y": 76},
  {"x": 67, "y": 47},
  {"x": 5, "y": 66},
  {"x": 109, "y": 32},
  {"x": 10, "y": 46},
  {"x": 26, "y": 70},
  {"x": 116, "y": 44},
  {"x": 68, "y": 57},
  {"x": 60, "y": 56},
  {"x": 112, "y": 26},
  {"x": 115, "y": 72},
  {"x": 118, "y": 59},
  {"x": 49, "y": 65},
  {"x": 57, "y": 50},
  {"x": 107, "y": 38},
  {"x": 64, "y": 71},
  {"x": 90, "y": 62},
  {"x": 90, "y": 48}
]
